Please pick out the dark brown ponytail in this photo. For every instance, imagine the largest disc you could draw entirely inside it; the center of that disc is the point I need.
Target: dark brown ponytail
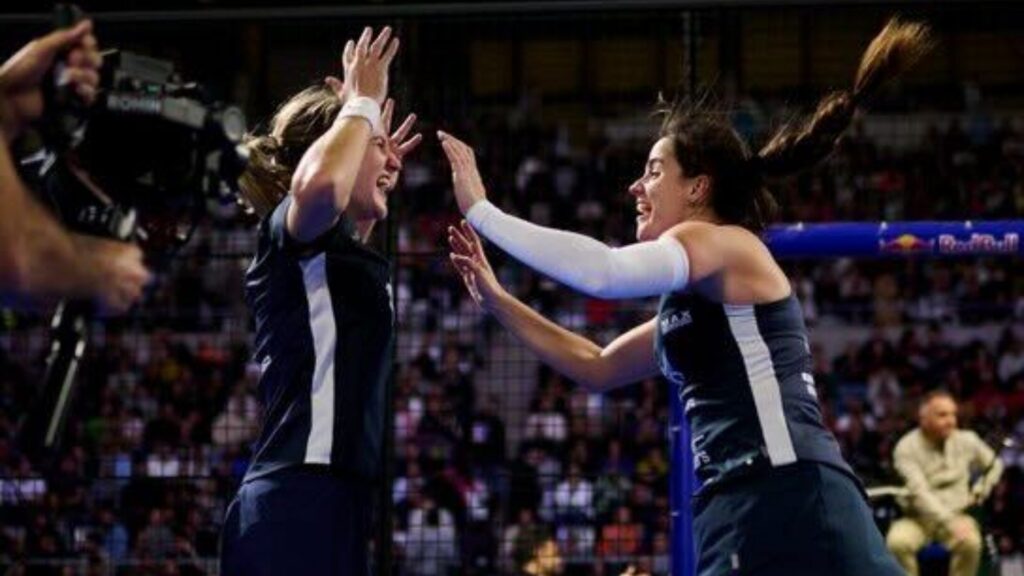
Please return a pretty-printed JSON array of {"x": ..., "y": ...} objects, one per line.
[
  {"x": 705, "y": 142},
  {"x": 800, "y": 145},
  {"x": 273, "y": 157},
  {"x": 265, "y": 181}
]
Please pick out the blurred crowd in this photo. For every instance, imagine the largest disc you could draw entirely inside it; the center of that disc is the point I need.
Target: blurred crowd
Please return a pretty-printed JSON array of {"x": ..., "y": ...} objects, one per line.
[{"x": 576, "y": 483}]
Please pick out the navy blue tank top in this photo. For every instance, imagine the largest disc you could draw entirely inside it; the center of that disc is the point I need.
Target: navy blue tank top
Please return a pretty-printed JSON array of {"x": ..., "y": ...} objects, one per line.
[{"x": 744, "y": 377}]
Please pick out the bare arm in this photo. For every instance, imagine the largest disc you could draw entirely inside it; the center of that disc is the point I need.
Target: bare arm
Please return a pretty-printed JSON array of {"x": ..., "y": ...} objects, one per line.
[
  {"x": 37, "y": 256},
  {"x": 323, "y": 181},
  {"x": 628, "y": 358},
  {"x": 39, "y": 259}
]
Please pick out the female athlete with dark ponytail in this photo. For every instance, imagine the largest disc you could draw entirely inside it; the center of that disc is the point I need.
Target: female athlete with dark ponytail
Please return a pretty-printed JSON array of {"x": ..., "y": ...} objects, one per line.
[{"x": 776, "y": 495}]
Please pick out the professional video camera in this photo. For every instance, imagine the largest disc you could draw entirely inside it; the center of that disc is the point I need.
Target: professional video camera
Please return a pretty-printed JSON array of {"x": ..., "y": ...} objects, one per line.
[
  {"x": 138, "y": 165},
  {"x": 151, "y": 145}
]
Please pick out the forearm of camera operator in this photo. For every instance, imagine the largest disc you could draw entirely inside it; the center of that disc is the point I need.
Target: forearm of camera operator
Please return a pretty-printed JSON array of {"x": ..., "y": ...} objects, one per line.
[
  {"x": 56, "y": 263},
  {"x": 38, "y": 257},
  {"x": 7, "y": 125}
]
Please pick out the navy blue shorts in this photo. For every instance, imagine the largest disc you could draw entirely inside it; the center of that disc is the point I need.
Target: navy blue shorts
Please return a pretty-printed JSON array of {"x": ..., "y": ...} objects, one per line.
[
  {"x": 805, "y": 519},
  {"x": 297, "y": 522}
]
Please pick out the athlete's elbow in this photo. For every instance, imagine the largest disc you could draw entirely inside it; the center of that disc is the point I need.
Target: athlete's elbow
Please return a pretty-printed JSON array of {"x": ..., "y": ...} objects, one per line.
[
  {"x": 598, "y": 286},
  {"x": 600, "y": 291},
  {"x": 596, "y": 380},
  {"x": 591, "y": 385}
]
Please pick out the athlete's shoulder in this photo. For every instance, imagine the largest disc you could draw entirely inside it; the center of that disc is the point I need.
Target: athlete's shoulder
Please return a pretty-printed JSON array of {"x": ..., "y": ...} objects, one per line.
[
  {"x": 734, "y": 253},
  {"x": 723, "y": 236}
]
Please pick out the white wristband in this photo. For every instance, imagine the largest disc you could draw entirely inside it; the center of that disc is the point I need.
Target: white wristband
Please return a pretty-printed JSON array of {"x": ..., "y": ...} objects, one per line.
[{"x": 367, "y": 109}]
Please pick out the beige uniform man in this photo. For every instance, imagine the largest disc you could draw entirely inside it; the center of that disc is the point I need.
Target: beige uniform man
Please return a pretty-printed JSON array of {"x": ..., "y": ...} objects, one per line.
[{"x": 936, "y": 461}]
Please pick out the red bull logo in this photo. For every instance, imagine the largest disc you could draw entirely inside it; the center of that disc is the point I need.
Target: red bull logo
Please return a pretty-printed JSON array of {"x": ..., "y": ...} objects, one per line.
[
  {"x": 979, "y": 244},
  {"x": 905, "y": 244}
]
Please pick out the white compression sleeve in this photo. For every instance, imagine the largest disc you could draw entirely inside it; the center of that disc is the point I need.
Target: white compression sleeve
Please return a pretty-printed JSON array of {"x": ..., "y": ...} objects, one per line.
[{"x": 635, "y": 271}]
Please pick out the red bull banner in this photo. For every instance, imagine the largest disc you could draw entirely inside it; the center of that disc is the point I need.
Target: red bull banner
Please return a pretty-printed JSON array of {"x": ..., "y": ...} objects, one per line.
[{"x": 896, "y": 239}]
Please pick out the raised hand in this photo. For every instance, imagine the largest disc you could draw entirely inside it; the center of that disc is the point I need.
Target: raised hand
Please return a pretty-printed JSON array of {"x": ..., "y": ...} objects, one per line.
[
  {"x": 400, "y": 143},
  {"x": 122, "y": 274},
  {"x": 469, "y": 259},
  {"x": 366, "y": 64},
  {"x": 469, "y": 188}
]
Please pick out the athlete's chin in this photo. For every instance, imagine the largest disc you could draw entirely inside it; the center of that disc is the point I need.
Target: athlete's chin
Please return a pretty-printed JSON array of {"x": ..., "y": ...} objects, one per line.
[
  {"x": 380, "y": 206},
  {"x": 644, "y": 230}
]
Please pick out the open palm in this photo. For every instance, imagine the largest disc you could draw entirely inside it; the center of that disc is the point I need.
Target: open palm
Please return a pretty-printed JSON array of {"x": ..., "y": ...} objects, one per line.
[
  {"x": 466, "y": 182},
  {"x": 470, "y": 260}
]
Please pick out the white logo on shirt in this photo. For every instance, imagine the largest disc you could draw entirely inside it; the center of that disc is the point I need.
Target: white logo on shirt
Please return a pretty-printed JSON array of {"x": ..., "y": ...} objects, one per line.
[
  {"x": 690, "y": 405},
  {"x": 675, "y": 321},
  {"x": 391, "y": 300},
  {"x": 668, "y": 323}
]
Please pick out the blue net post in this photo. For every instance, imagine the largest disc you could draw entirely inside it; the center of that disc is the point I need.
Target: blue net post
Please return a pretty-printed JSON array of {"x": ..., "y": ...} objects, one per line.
[
  {"x": 683, "y": 483},
  {"x": 833, "y": 240}
]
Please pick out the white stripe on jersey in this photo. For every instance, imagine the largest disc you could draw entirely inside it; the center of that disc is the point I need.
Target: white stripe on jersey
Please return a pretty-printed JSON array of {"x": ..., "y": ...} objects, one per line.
[
  {"x": 757, "y": 360},
  {"x": 322, "y": 326}
]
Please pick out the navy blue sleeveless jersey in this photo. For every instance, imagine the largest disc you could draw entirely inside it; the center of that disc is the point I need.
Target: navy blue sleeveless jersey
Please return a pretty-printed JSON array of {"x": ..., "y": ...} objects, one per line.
[
  {"x": 324, "y": 330},
  {"x": 745, "y": 382}
]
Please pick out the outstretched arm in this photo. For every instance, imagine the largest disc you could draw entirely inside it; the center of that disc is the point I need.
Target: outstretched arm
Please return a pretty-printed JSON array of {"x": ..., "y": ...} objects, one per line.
[
  {"x": 628, "y": 358},
  {"x": 578, "y": 261}
]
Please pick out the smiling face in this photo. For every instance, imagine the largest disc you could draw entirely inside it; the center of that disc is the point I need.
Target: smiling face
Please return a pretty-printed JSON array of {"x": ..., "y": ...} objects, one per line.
[
  {"x": 664, "y": 195},
  {"x": 296, "y": 126},
  {"x": 377, "y": 176}
]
